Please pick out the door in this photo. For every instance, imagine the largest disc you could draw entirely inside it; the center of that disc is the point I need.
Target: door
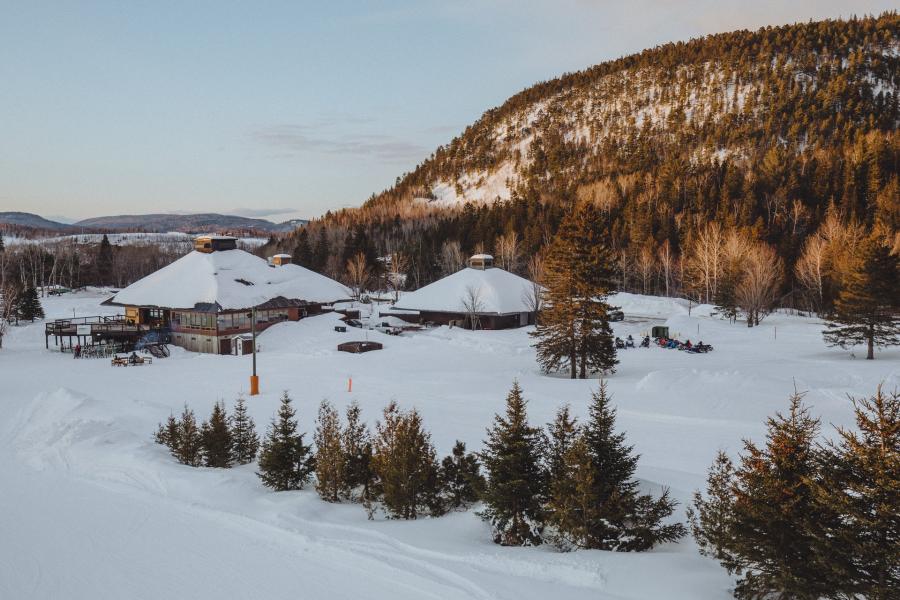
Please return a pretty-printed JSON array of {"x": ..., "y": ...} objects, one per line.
[{"x": 225, "y": 345}]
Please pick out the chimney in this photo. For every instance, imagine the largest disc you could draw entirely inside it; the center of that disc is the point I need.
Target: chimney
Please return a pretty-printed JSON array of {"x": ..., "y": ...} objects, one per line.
[
  {"x": 280, "y": 260},
  {"x": 481, "y": 261}
]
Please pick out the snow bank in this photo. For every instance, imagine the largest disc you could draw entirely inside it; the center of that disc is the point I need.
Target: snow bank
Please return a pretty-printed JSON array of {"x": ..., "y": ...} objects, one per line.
[{"x": 497, "y": 292}]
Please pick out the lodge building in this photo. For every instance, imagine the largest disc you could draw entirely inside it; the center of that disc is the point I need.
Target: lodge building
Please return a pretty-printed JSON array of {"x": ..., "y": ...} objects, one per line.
[{"x": 205, "y": 300}]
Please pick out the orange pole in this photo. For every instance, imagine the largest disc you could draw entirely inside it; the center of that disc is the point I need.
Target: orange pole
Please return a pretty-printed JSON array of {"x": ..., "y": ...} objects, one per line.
[
  {"x": 254, "y": 385},
  {"x": 350, "y": 384}
]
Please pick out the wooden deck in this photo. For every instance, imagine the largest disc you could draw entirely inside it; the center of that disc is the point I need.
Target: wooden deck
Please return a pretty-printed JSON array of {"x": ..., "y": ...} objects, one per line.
[{"x": 93, "y": 330}]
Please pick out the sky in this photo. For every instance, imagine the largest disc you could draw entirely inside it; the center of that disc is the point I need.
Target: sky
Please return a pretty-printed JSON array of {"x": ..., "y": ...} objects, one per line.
[{"x": 289, "y": 109}]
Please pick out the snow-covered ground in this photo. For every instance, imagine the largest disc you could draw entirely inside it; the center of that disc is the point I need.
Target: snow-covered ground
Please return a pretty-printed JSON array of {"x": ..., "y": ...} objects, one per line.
[{"x": 90, "y": 507}]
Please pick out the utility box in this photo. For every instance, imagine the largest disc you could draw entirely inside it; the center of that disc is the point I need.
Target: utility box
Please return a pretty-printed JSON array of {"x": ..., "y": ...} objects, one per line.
[{"x": 659, "y": 331}]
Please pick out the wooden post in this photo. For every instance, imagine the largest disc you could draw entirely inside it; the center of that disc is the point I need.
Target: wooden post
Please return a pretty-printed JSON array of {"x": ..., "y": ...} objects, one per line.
[{"x": 254, "y": 379}]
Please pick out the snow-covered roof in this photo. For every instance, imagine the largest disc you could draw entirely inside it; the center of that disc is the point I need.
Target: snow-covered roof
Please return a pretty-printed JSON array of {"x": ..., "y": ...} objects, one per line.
[
  {"x": 498, "y": 291},
  {"x": 231, "y": 279},
  {"x": 281, "y": 256},
  {"x": 482, "y": 257}
]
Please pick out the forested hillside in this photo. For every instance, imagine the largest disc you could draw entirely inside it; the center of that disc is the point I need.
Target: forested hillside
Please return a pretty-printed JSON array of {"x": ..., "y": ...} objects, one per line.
[{"x": 762, "y": 133}]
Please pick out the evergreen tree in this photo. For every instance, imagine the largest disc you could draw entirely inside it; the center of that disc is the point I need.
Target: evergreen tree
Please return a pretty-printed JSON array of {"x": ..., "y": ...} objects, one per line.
[
  {"x": 357, "y": 450},
  {"x": 167, "y": 434},
  {"x": 613, "y": 515},
  {"x": 712, "y": 517},
  {"x": 861, "y": 484},
  {"x": 571, "y": 503},
  {"x": 460, "y": 478},
  {"x": 573, "y": 329},
  {"x": 243, "y": 434},
  {"x": 285, "y": 462},
  {"x": 614, "y": 463},
  {"x": 218, "y": 442},
  {"x": 330, "y": 458},
  {"x": 561, "y": 434},
  {"x": 514, "y": 490},
  {"x": 404, "y": 464},
  {"x": 189, "y": 448},
  {"x": 302, "y": 254},
  {"x": 866, "y": 309},
  {"x": 762, "y": 520},
  {"x": 105, "y": 262},
  {"x": 29, "y": 305},
  {"x": 2, "y": 246}
]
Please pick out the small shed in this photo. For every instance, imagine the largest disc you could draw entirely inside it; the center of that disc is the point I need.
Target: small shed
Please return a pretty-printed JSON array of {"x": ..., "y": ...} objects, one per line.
[{"x": 659, "y": 331}]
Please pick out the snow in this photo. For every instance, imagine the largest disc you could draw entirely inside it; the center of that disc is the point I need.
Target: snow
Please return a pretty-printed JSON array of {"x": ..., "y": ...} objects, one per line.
[
  {"x": 498, "y": 292},
  {"x": 91, "y": 508},
  {"x": 233, "y": 279}
]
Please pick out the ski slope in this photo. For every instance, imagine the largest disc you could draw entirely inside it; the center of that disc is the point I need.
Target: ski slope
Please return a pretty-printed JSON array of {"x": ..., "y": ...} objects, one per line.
[{"x": 91, "y": 508}]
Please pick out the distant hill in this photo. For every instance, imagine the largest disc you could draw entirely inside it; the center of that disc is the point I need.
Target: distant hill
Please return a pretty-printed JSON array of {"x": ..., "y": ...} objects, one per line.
[
  {"x": 186, "y": 223},
  {"x": 30, "y": 220}
]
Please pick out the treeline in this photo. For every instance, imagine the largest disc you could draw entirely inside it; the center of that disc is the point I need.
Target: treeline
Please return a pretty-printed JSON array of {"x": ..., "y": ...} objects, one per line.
[{"x": 570, "y": 485}]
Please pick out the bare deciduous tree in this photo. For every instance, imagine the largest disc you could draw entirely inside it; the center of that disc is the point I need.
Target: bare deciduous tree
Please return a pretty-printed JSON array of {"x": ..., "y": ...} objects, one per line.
[
  {"x": 506, "y": 250},
  {"x": 761, "y": 279},
  {"x": 666, "y": 265},
  {"x": 451, "y": 258},
  {"x": 358, "y": 274},
  {"x": 473, "y": 306},
  {"x": 534, "y": 294},
  {"x": 704, "y": 261},
  {"x": 395, "y": 276}
]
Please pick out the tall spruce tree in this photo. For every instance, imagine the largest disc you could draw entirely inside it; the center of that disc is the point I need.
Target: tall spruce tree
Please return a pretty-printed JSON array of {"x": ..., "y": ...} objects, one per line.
[
  {"x": 561, "y": 434},
  {"x": 285, "y": 462},
  {"x": 357, "y": 448},
  {"x": 404, "y": 464},
  {"x": 29, "y": 305},
  {"x": 105, "y": 262},
  {"x": 188, "y": 449},
  {"x": 218, "y": 442},
  {"x": 613, "y": 516},
  {"x": 461, "y": 480},
  {"x": 762, "y": 520},
  {"x": 167, "y": 434},
  {"x": 330, "y": 460},
  {"x": 573, "y": 329},
  {"x": 861, "y": 484},
  {"x": 866, "y": 309},
  {"x": 243, "y": 432},
  {"x": 514, "y": 490},
  {"x": 302, "y": 254}
]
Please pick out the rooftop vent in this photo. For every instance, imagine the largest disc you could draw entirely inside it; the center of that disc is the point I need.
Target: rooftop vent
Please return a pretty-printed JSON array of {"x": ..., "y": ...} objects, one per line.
[
  {"x": 279, "y": 260},
  {"x": 481, "y": 261},
  {"x": 214, "y": 243}
]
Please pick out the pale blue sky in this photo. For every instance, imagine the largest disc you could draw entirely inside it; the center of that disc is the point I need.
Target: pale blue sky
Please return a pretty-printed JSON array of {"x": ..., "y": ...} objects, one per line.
[{"x": 287, "y": 109}]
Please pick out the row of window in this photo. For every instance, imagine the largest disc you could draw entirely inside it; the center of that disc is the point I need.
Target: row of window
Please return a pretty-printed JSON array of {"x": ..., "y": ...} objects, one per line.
[{"x": 236, "y": 320}]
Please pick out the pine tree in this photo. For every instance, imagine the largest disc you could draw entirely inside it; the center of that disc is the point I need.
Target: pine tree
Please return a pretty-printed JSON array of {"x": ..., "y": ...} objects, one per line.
[
  {"x": 167, "y": 435},
  {"x": 763, "y": 521},
  {"x": 571, "y": 502},
  {"x": 357, "y": 450},
  {"x": 404, "y": 464},
  {"x": 514, "y": 490},
  {"x": 302, "y": 254},
  {"x": 573, "y": 329},
  {"x": 712, "y": 517},
  {"x": 866, "y": 309},
  {"x": 330, "y": 458},
  {"x": 29, "y": 305},
  {"x": 105, "y": 261},
  {"x": 243, "y": 433},
  {"x": 614, "y": 464},
  {"x": 561, "y": 434},
  {"x": 285, "y": 462},
  {"x": 861, "y": 484},
  {"x": 189, "y": 448},
  {"x": 461, "y": 481},
  {"x": 218, "y": 442}
]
